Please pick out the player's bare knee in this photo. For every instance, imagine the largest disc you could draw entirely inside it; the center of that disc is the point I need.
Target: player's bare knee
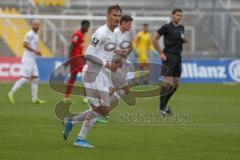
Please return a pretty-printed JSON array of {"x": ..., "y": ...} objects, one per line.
[
  {"x": 176, "y": 82},
  {"x": 167, "y": 82},
  {"x": 102, "y": 110},
  {"x": 166, "y": 85}
]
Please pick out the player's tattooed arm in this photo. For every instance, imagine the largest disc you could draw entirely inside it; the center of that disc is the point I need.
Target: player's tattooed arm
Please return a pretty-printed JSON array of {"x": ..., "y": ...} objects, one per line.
[
  {"x": 91, "y": 52},
  {"x": 96, "y": 60},
  {"x": 26, "y": 45}
]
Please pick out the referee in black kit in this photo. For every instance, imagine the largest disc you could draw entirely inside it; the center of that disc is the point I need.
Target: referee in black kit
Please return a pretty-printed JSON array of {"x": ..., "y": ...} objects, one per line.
[{"x": 173, "y": 33}]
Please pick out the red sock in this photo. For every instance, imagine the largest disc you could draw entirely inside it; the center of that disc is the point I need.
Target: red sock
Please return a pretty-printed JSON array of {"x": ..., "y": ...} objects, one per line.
[{"x": 69, "y": 87}]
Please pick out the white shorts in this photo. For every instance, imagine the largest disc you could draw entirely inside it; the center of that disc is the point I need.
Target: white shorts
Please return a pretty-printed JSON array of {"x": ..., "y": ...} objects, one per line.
[
  {"x": 29, "y": 69},
  {"x": 119, "y": 79},
  {"x": 96, "y": 86}
]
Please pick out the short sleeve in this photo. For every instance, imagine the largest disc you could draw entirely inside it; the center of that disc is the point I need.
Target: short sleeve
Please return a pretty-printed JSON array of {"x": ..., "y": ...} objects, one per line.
[
  {"x": 95, "y": 42},
  {"x": 162, "y": 31},
  {"x": 28, "y": 37}
]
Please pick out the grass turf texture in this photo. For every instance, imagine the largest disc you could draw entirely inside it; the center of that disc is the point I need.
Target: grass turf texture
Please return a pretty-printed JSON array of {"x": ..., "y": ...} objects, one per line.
[{"x": 30, "y": 131}]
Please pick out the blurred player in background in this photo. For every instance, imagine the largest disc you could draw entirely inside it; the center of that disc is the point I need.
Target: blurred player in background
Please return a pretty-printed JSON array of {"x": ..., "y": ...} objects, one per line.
[
  {"x": 76, "y": 58},
  {"x": 173, "y": 33},
  {"x": 142, "y": 45},
  {"x": 29, "y": 69},
  {"x": 96, "y": 76}
]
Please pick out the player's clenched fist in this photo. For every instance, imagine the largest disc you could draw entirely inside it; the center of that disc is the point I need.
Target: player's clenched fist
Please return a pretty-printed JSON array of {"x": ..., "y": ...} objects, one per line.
[
  {"x": 112, "y": 66},
  {"x": 118, "y": 62}
]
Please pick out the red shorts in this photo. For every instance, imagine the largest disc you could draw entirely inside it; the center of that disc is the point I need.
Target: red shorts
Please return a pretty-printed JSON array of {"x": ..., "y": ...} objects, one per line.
[{"x": 76, "y": 64}]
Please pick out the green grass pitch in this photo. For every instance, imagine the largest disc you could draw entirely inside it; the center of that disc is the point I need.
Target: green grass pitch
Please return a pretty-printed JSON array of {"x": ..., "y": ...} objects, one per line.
[{"x": 32, "y": 132}]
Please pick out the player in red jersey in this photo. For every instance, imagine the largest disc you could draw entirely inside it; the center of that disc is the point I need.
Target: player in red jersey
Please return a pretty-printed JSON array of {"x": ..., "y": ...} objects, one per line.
[{"x": 76, "y": 57}]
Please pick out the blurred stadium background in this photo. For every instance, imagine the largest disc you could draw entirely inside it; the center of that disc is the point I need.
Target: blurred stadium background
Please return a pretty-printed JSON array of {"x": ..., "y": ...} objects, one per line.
[
  {"x": 212, "y": 56},
  {"x": 213, "y": 26}
]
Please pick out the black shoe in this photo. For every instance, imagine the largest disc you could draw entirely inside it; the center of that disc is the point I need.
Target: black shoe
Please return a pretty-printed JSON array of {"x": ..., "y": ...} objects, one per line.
[
  {"x": 163, "y": 113},
  {"x": 166, "y": 111}
]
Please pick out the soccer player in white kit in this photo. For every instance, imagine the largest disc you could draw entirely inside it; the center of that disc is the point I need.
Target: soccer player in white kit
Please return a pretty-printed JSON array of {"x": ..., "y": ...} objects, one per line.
[
  {"x": 119, "y": 78},
  {"x": 96, "y": 76},
  {"x": 124, "y": 46},
  {"x": 29, "y": 69}
]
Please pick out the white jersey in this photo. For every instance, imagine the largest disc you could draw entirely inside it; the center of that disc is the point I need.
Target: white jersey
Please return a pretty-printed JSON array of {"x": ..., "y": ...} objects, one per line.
[
  {"x": 32, "y": 39},
  {"x": 120, "y": 36},
  {"x": 119, "y": 77},
  {"x": 102, "y": 42},
  {"x": 123, "y": 42},
  {"x": 29, "y": 66},
  {"x": 95, "y": 77}
]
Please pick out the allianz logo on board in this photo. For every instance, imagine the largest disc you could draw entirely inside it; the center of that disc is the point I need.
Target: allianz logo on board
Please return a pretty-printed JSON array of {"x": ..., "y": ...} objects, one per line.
[{"x": 194, "y": 70}]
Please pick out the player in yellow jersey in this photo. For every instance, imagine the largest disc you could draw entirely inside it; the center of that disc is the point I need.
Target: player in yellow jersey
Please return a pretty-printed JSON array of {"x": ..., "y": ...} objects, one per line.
[{"x": 142, "y": 44}]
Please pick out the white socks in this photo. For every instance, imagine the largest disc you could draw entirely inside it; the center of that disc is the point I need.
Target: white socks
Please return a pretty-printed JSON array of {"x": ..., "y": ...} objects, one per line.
[
  {"x": 89, "y": 117},
  {"x": 34, "y": 89},
  {"x": 18, "y": 84},
  {"x": 87, "y": 125},
  {"x": 86, "y": 115},
  {"x": 21, "y": 82},
  {"x": 90, "y": 114}
]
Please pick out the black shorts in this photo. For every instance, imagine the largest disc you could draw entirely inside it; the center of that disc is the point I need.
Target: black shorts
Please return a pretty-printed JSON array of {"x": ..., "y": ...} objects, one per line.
[{"x": 172, "y": 66}]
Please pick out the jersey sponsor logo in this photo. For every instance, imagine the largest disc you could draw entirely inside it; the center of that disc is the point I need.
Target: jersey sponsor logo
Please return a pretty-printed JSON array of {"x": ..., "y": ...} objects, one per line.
[
  {"x": 125, "y": 45},
  {"x": 110, "y": 46},
  {"x": 234, "y": 70},
  {"x": 94, "y": 42},
  {"x": 194, "y": 70},
  {"x": 75, "y": 39}
]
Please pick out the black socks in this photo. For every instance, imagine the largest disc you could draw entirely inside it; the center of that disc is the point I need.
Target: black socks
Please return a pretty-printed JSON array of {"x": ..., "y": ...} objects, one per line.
[{"x": 165, "y": 94}]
